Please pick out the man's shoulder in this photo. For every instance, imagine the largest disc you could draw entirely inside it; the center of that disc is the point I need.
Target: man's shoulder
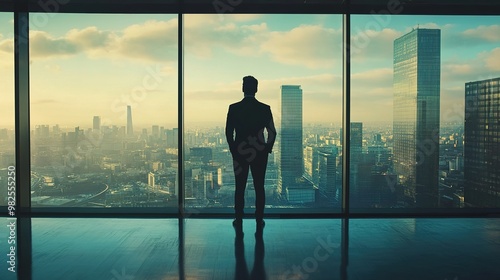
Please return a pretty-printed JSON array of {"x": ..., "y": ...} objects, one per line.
[
  {"x": 263, "y": 104},
  {"x": 236, "y": 104}
]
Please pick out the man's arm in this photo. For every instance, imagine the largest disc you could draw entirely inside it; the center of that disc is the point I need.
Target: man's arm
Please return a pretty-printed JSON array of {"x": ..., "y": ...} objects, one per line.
[
  {"x": 230, "y": 130},
  {"x": 271, "y": 133}
]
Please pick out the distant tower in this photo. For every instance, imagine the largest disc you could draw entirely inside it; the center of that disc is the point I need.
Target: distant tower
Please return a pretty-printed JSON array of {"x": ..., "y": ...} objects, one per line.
[
  {"x": 130, "y": 129},
  {"x": 356, "y": 142},
  {"x": 96, "y": 123},
  {"x": 417, "y": 68},
  {"x": 291, "y": 165},
  {"x": 482, "y": 145}
]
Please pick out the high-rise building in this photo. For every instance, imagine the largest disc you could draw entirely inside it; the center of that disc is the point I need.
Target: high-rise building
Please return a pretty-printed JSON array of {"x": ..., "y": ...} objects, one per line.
[
  {"x": 130, "y": 129},
  {"x": 96, "y": 124},
  {"x": 291, "y": 155},
  {"x": 356, "y": 142},
  {"x": 311, "y": 164},
  {"x": 482, "y": 143},
  {"x": 291, "y": 181},
  {"x": 417, "y": 67},
  {"x": 327, "y": 174},
  {"x": 155, "y": 131}
]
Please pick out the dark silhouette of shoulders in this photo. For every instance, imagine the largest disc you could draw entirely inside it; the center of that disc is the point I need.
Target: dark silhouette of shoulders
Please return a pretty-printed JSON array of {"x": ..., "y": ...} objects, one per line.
[{"x": 249, "y": 118}]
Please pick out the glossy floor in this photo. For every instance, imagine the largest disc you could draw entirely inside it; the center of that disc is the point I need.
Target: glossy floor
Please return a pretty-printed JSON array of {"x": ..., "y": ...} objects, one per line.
[{"x": 125, "y": 249}]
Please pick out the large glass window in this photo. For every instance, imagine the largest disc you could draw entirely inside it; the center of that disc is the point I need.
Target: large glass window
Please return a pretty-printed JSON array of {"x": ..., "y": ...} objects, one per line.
[
  {"x": 7, "y": 135},
  {"x": 409, "y": 76},
  {"x": 297, "y": 60},
  {"x": 103, "y": 109}
]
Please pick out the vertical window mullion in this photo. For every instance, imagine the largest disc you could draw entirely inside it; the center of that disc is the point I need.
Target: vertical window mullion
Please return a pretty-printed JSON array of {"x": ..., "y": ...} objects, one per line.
[
  {"x": 21, "y": 62},
  {"x": 180, "y": 117},
  {"x": 22, "y": 142},
  {"x": 346, "y": 109}
]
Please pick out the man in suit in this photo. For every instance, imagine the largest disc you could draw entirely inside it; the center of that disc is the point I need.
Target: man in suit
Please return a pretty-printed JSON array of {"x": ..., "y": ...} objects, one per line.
[{"x": 248, "y": 119}]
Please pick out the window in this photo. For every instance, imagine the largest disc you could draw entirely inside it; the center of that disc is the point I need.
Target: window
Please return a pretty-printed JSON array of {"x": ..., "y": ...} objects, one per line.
[
  {"x": 103, "y": 109},
  {"x": 411, "y": 108},
  {"x": 297, "y": 61},
  {"x": 7, "y": 131}
]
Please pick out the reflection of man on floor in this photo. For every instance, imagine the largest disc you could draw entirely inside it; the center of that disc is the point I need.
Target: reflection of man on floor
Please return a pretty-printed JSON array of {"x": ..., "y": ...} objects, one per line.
[
  {"x": 248, "y": 118},
  {"x": 241, "y": 270}
]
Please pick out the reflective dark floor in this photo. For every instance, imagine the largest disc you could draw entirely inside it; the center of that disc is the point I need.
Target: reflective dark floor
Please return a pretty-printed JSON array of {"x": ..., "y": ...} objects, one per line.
[{"x": 126, "y": 249}]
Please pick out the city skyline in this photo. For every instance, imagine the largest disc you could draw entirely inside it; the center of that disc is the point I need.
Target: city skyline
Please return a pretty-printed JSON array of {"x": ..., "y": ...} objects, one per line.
[{"x": 62, "y": 65}]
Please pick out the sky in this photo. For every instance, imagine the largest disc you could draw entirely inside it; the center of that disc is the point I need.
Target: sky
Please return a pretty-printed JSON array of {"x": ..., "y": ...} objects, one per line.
[{"x": 85, "y": 65}]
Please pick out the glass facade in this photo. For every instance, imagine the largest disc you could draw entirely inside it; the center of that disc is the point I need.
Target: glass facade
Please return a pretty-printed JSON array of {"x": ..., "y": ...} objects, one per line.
[
  {"x": 416, "y": 116},
  {"x": 482, "y": 143}
]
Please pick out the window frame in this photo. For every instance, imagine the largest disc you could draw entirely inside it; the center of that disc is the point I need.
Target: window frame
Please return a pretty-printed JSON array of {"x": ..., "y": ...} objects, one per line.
[{"x": 346, "y": 8}]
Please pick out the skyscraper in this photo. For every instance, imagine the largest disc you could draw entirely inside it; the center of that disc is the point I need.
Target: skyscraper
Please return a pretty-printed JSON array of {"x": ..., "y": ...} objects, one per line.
[
  {"x": 96, "y": 123},
  {"x": 130, "y": 129},
  {"x": 482, "y": 144},
  {"x": 327, "y": 169},
  {"x": 291, "y": 182},
  {"x": 417, "y": 67},
  {"x": 356, "y": 141}
]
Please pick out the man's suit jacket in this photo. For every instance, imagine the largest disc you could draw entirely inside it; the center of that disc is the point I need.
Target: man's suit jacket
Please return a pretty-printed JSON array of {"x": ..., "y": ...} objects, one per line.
[{"x": 248, "y": 118}]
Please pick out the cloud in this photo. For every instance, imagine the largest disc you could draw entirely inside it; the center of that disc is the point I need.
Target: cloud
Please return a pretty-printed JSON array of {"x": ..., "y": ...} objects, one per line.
[
  {"x": 311, "y": 45},
  {"x": 6, "y": 52},
  {"x": 480, "y": 35},
  {"x": 306, "y": 45},
  {"x": 89, "y": 38},
  {"x": 152, "y": 41},
  {"x": 149, "y": 41},
  {"x": 484, "y": 66},
  {"x": 43, "y": 45},
  {"x": 492, "y": 60},
  {"x": 6, "y": 45},
  {"x": 489, "y": 33},
  {"x": 373, "y": 45},
  {"x": 204, "y": 37}
]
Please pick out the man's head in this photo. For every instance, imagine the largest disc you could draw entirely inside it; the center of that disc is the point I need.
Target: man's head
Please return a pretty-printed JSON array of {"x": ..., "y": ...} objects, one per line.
[{"x": 250, "y": 85}]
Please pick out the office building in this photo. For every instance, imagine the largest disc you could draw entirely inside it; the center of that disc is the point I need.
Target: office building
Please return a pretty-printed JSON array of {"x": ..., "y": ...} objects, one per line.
[
  {"x": 356, "y": 141},
  {"x": 96, "y": 123},
  {"x": 416, "y": 115},
  {"x": 482, "y": 143},
  {"x": 291, "y": 166}
]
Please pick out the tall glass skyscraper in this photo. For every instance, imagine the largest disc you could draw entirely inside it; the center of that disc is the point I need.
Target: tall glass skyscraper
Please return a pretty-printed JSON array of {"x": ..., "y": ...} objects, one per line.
[
  {"x": 417, "y": 66},
  {"x": 291, "y": 165},
  {"x": 482, "y": 143}
]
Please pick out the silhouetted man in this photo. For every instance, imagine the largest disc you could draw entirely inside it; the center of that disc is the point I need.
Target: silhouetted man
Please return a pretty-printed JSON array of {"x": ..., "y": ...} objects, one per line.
[{"x": 248, "y": 118}]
